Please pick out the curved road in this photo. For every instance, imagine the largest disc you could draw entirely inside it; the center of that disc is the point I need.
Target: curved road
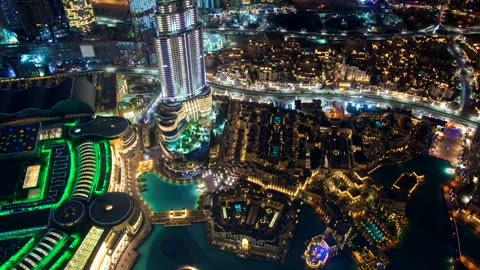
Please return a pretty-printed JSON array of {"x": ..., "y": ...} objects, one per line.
[
  {"x": 328, "y": 94},
  {"x": 368, "y": 96}
]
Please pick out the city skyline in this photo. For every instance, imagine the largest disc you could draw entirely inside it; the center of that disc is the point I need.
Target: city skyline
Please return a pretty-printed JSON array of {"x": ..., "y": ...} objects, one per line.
[{"x": 238, "y": 135}]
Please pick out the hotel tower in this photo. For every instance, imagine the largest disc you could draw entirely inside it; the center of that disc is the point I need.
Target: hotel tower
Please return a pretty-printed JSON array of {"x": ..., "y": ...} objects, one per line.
[{"x": 185, "y": 95}]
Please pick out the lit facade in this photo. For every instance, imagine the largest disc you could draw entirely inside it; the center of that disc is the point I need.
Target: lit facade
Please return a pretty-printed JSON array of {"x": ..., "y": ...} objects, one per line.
[
  {"x": 143, "y": 14},
  {"x": 80, "y": 14},
  {"x": 209, "y": 4},
  {"x": 180, "y": 50},
  {"x": 179, "y": 46}
]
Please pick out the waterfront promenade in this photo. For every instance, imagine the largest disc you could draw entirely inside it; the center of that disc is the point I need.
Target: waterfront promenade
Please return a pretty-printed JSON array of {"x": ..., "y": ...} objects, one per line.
[
  {"x": 129, "y": 256},
  {"x": 454, "y": 216}
]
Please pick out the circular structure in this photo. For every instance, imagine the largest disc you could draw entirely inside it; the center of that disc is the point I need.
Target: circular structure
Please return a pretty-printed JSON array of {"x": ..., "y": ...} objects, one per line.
[
  {"x": 69, "y": 213},
  {"x": 111, "y": 209},
  {"x": 125, "y": 109}
]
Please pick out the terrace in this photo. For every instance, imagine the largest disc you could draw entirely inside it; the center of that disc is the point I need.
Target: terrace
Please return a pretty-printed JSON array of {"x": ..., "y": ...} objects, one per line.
[
  {"x": 83, "y": 253},
  {"x": 194, "y": 137},
  {"x": 93, "y": 169}
]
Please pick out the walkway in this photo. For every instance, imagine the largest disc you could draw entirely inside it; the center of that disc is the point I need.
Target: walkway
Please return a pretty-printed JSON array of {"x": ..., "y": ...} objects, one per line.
[
  {"x": 128, "y": 257},
  {"x": 453, "y": 220},
  {"x": 180, "y": 217}
]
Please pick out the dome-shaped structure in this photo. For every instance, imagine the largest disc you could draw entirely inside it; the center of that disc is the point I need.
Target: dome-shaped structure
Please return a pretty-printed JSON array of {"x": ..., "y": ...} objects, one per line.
[
  {"x": 111, "y": 209},
  {"x": 69, "y": 213}
]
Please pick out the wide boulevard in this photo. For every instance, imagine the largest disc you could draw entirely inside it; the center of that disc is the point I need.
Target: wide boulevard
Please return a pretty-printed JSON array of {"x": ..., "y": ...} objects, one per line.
[{"x": 365, "y": 96}]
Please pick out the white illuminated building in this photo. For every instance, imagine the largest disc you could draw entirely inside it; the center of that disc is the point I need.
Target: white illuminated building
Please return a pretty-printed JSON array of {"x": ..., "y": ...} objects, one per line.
[
  {"x": 180, "y": 50},
  {"x": 185, "y": 95}
]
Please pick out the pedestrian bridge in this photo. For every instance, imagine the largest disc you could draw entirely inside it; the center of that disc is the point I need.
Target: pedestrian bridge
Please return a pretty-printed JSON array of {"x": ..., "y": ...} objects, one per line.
[{"x": 181, "y": 217}]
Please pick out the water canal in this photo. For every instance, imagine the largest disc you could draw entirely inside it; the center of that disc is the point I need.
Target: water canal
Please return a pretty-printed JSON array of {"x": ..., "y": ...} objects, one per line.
[
  {"x": 426, "y": 243},
  {"x": 163, "y": 196}
]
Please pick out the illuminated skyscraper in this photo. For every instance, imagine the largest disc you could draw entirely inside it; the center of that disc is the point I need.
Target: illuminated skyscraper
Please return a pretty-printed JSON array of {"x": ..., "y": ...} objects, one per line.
[
  {"x": 185, "y": 96},
  {"x": 80, "y": 14},
  {"x": 180, "y": 50},
  {"x": 144, "y": 21}
]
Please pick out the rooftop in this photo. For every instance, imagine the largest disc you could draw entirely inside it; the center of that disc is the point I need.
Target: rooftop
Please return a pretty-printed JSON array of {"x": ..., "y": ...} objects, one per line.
[
  {"x": 69, "y": 213},
  {"x": 69, "y": 97},
  {"x": 106, "y": 127},
  {"x": 111, "y": 209},
  {"x": 16, "y": 139}
]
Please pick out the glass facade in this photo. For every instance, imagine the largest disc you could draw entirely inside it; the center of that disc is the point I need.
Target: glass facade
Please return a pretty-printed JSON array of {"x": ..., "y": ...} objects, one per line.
[
  {"x": 180, "y": 50},
  {"x": 143, "y": 14}
]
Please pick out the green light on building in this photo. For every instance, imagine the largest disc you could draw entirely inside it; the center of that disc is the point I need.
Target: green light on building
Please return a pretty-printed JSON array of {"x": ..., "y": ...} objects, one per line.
[
  {"x": 17, "y": 256},
  {"x": 72, "y": 175},
  {"x": 108, "y": 165},
  {"x": 97, "y": 176},
  {"x": 72, "y": 124},
  {"x": 67, "y": 255},
  {"x": 43, "y": 183},
  {"x": 76, "y": 241},
  {"x": 63, "y": 260}
]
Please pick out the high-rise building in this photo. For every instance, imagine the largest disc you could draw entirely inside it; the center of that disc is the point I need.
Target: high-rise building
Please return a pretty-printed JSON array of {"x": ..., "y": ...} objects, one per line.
[
  {"x": 180, "y": 50},
  {"x": 208, "y": 4},
  {"x": 143, "y": 14},
  {"x": 35, "y": 15},
  {"x": 145, "y": 26},
  {"x": 80, "y": 14},
  {"x": 10, "y": 15},
  {"x": 185, "y": 95}
]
